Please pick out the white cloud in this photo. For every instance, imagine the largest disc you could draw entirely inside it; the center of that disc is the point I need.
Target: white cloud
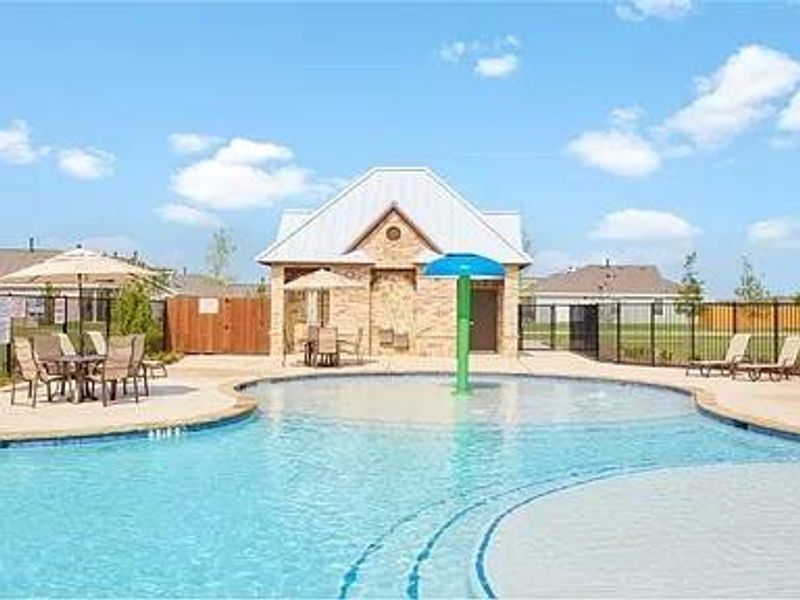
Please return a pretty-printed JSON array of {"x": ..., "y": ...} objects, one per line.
[
  {"x": 782, "y": 232},
  {"x": 452, "y": 52},
  {"x": 188, "y": 215},
  {"x": 191, "y": 143},
  {"x": 86, "y": 163},
  {"x": 497, "y": 66},
  {"x": 738, "y": 95},
  {"x": 493, "y": 59},
  {"x": 16, "y": 146},
  {"x": 626, "y": 117},
  {"x": 790, "y": 116},
  {"x": 638, "y": 225},
  {"x": 639, "y": 10},
  {"x": 617, "y": 152},
  {"x": 248, "y": 152},
  {"x": 243, "y": 174}
]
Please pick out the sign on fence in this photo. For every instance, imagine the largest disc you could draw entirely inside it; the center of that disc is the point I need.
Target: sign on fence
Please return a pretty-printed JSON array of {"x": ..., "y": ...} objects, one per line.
[
  {"x": 208, "y": 306},
  {"x": 59, "y": 312},
  {"x": 5, "y": 321}
]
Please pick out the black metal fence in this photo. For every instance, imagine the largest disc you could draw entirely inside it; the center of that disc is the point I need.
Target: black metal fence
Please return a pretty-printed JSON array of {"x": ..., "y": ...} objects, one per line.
[
  {"x": 30, "y": 315},
  {"x": 657, "y": 333}
]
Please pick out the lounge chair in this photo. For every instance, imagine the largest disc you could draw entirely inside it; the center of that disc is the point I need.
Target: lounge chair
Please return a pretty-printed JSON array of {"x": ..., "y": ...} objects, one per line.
[
  {"x": 781, "y": 369},
  {"x": 736, "y": 354},
  {"x": 31, "y": 371}
]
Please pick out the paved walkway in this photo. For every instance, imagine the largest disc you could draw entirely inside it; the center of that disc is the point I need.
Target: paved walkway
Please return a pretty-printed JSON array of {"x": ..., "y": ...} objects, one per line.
[{"x": 200, "y": 389}]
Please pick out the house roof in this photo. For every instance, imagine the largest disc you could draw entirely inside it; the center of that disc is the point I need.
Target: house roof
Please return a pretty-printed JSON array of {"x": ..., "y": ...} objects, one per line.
[
  {"x": 14, "y": 259},
  {"x": 607, "y": 279},
  {"x": 199, "y": 285},
  {"x": 447, "y": 219}
]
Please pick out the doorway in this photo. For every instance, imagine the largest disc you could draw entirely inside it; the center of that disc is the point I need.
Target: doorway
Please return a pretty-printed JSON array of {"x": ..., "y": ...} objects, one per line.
[{"x": 483, "y": 332}]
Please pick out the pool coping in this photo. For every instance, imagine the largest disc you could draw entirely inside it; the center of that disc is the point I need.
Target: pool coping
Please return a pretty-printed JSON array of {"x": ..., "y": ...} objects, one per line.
[{"x": 244, "y": 405}]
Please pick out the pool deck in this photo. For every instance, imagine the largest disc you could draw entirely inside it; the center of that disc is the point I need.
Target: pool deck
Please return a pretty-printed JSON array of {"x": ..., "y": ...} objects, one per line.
[{"x": 200, "y": 390}]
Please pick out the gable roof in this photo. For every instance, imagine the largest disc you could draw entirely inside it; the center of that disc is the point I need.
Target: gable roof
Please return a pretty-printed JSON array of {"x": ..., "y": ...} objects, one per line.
[
  {"x": 448, "y": 220},
  {"x": 611, "y": 279}
]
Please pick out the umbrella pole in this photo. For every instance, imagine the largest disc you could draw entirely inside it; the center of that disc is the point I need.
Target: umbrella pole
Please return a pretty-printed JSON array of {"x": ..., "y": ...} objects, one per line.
[{"x": 80, "y": 313}]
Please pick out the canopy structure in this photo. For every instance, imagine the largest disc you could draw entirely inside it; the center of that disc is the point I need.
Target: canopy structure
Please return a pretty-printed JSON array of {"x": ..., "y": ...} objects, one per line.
[
  {"x": 464, "y": 266},
  {"x": 319, "y": 281},
  {"x": 81, "y": 267}
]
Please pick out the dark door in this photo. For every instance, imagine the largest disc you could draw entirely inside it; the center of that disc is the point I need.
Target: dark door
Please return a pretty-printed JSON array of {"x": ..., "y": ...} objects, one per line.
[{"x": 483, "y": 336}]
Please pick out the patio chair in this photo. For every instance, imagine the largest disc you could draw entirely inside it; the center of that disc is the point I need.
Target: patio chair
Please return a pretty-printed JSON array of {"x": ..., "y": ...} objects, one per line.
[
  {"x": 138, "y": 368},
  {"x": 780, "y": 369},
  {"x": 354, "y": 347},
  {"x": 736, "y": 354},
  {"x": 98, "y": 342},
  {"x": 327, "y": 347},
  {"x": 116, "y": 368},
  {"x": 31, "y": 371},
  {"x": 65, "y": 343}
]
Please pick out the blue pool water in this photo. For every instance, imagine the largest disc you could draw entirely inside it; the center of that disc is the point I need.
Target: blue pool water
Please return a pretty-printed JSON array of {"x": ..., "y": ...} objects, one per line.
[{"x": 331, "y": 492}]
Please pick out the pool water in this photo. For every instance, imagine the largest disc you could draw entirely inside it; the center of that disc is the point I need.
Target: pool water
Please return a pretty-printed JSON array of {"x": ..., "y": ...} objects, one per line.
[{"x": 324, "y": 495}]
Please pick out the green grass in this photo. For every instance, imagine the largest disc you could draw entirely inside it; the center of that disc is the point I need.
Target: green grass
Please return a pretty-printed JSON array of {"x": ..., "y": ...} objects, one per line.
[{"x": 672, "y": 344}]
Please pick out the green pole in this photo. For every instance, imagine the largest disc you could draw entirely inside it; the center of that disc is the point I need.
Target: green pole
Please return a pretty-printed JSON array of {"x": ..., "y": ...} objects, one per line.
[{"x": 463, "y": 311}]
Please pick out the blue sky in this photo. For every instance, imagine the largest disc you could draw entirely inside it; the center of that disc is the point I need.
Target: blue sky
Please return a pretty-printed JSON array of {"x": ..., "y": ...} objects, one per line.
[{"x": 634, "y": 130}]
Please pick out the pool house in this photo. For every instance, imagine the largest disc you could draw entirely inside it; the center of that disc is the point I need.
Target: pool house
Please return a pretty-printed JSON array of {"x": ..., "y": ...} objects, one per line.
[{"x": 379, "y": 232}]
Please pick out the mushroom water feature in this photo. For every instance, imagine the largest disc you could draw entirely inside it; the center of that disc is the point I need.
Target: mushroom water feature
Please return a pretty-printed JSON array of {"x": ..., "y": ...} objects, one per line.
[{"x": 464, "y": 267}]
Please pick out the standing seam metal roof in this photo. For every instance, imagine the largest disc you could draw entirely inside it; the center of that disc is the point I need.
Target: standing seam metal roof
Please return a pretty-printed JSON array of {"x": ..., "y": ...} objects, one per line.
[{"x": 447, "y": 218}]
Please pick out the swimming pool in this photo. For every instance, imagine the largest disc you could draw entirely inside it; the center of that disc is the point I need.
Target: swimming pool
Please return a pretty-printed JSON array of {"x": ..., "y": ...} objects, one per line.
[{"x": 368, "y": 486}]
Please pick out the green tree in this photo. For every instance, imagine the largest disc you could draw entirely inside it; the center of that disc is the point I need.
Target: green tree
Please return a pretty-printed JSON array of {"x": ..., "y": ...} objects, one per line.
[
  {"x": 691, "y": 289},
  {"x": 751, "y": 287},
  {"x": 220, "y": 255},
  {"x": 261, "y": 287},
  {"x": 132, "y": 312}
]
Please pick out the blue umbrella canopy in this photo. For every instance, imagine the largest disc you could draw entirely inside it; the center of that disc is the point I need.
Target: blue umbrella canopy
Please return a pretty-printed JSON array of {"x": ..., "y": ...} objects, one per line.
[{"x": 457, "y": 264}]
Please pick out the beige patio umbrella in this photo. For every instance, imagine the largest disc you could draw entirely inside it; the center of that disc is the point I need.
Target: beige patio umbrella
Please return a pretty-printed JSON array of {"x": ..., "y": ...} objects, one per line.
[
  {"x": 79, "y": 267},
  {"x": 319, "y": 281}
]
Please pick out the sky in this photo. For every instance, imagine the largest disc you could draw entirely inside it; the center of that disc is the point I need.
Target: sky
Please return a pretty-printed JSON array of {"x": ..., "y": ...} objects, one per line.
[{"x": 630, "y": 130}]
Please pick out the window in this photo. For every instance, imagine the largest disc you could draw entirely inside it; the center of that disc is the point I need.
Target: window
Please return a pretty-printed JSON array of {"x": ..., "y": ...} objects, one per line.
[{"x": 393, "y": 233}]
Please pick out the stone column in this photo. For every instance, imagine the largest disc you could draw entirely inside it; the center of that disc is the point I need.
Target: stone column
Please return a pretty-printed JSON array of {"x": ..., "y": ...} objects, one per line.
[
  {"x": 277, "y": 319},
  {"x": 510, "y": 302}
]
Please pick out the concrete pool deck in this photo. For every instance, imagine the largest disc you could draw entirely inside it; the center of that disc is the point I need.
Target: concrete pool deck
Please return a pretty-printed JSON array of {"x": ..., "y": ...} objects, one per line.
[{"x": 200, "y": 389}]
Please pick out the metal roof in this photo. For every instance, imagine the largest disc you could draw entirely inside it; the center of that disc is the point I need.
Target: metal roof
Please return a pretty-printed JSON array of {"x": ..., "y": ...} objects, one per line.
[{"x": 441, "y": 214}]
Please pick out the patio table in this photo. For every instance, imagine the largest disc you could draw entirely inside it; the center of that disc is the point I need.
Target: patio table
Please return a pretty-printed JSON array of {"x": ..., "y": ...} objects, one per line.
[{"x": 77, "y": 367}]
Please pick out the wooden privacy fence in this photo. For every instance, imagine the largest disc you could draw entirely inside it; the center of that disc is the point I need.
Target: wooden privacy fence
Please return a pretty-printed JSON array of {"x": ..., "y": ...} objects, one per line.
[{"x": 218, "y": 325}]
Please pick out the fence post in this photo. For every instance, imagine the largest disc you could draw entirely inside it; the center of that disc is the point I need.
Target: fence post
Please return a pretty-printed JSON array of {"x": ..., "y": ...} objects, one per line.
[
  {"x": 165, "y": 341},
  {"x": 775, "y": 330},
  {"x": 653, "y": 333},
  {"x": 553, "y": 316},
  {"x": 619, "y": 332},
  {"x": 108, "y": 314},
  {"x": 65, "y": 324},
  {"x": 693, "y": 331},
  {"x": 733, "y": 312}
]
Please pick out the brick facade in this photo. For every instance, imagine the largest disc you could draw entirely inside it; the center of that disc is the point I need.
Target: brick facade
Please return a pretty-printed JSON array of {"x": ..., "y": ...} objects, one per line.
[{"x": 395, "y": 296}]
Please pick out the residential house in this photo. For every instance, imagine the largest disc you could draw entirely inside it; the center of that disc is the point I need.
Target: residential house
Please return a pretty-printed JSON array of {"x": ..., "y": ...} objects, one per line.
[{"x": 381, "y": 231}]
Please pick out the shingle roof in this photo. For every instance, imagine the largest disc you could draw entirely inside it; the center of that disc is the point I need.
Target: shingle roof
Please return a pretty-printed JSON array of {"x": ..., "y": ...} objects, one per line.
[
  {"x": 445, "y": 218},
  {"x": 602, "y": 279},
  {"x": 202, "y": 286},
  {"x": 14, "y": 259}
]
